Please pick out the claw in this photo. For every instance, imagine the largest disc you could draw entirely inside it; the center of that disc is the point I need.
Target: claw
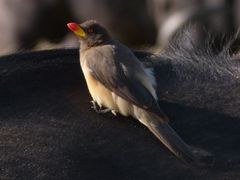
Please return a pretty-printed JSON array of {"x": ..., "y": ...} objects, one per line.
[
  {"x": 103, "y": 111},
  {"x": 98, "y": 108}
]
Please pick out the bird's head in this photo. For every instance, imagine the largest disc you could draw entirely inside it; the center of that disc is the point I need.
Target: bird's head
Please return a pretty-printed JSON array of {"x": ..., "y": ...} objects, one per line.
[{"x": 90, "y": 33}]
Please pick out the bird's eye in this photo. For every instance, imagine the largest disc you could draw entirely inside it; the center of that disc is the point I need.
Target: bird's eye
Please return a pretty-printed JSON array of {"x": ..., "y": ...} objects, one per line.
[{"x": 90, "y": 30}]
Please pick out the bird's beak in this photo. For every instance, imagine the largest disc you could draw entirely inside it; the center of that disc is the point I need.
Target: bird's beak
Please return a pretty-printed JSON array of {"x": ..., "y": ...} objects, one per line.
[{"x": 77, "y": 29}]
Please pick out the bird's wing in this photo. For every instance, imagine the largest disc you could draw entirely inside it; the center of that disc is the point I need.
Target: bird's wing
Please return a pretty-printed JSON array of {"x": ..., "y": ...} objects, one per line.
[{"x": 118, "y": 78}]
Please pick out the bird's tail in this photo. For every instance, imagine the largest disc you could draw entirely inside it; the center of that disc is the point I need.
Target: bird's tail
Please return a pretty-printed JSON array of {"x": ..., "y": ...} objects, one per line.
[{"x": 168, "y": 137}]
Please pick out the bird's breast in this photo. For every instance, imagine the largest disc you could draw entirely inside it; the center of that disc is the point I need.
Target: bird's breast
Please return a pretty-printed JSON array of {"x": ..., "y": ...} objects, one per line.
[{"x": 103, "y": 96}]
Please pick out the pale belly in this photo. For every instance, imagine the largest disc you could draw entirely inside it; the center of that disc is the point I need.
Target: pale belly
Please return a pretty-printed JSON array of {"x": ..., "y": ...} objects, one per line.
[{"x": 106, "y": 98}]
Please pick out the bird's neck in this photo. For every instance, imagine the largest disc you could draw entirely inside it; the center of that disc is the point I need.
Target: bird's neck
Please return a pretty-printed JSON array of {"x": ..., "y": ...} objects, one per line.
[{"x": 88, "y": 45}]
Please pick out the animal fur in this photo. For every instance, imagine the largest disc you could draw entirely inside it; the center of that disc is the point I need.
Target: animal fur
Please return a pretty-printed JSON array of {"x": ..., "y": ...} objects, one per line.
[{"x": 198, "y": 76}]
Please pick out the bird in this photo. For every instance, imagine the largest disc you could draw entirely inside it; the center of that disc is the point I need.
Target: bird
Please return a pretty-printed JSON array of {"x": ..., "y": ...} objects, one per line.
[{"x": 119, "y": 83}]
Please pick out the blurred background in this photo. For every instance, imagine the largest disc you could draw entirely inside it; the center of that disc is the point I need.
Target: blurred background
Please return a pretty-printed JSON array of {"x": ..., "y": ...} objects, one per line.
[{"x": 41, "y": 24}]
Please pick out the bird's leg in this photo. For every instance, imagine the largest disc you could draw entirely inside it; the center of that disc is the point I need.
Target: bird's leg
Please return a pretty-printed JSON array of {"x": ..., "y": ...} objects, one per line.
[
  {"x": 95, "y": 105},
  {"x": 98, "y": 108}
]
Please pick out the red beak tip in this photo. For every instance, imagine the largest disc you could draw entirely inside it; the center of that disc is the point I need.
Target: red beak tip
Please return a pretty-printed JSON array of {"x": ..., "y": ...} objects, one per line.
[{"x": 73, "y": 26}]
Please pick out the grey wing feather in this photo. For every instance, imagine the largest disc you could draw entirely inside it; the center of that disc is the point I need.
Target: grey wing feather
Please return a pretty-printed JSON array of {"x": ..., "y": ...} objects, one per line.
[{"x": 111, "y": 74}]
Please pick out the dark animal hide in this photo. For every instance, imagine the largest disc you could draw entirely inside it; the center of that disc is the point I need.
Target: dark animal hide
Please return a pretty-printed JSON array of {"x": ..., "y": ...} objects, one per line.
[{"x": 49, "y": 131}]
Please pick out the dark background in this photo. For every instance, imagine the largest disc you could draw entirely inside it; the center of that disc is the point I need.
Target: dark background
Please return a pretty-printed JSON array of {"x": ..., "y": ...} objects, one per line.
[{"x": 31, "y": 24}]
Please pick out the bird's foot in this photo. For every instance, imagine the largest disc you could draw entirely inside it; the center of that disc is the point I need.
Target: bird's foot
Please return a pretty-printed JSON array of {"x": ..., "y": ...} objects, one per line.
[{"x": 98, "y": 109}]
